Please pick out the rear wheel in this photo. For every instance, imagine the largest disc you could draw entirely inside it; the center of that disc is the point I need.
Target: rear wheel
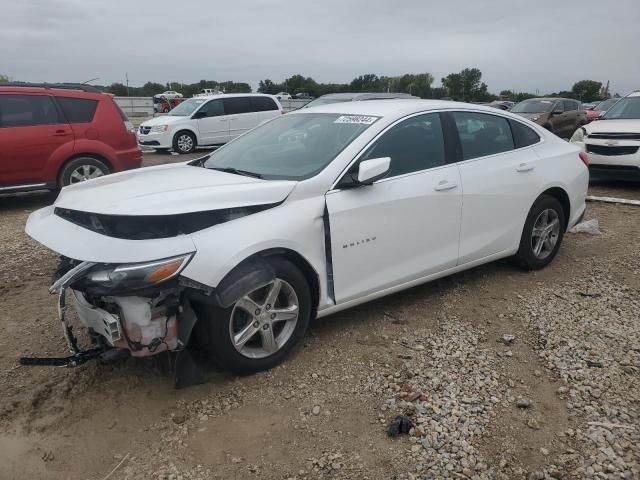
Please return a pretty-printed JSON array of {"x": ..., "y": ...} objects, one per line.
[
  {"x": 184, "y": 142},
  {"x": 82, "y": 169},
  {"x": 542, "y": 234},
  {"x": 259, "y": 330}
]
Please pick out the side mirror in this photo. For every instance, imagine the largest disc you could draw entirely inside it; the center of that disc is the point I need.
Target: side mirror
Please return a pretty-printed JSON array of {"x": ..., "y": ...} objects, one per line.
[
  {"x": 374, "y": 169},
  {"x": 199, "y": 114}
]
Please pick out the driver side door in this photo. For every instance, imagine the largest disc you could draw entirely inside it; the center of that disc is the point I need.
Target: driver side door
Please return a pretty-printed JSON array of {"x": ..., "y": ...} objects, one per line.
[
  {"x": 404, "y": 226},
  {"x": 214, "y": 127}
]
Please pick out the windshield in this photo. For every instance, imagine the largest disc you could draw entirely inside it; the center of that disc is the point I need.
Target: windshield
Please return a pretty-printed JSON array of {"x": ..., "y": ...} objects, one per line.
[
  {"x": 326, "y": 101},
  {"x": 291, "y": 147},
  {"x": 605, "y": 105},
  {"x": 533, "y": 106},
  {"x": 624, "y": 108},
  {"x": 187, "y": 107}
]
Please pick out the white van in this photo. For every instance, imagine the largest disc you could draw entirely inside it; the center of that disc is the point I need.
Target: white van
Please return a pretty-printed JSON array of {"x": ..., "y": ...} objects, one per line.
[{"x": 207, "y": 121}]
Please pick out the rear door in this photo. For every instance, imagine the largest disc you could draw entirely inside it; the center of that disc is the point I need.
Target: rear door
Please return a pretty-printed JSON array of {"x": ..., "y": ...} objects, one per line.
[
  {"x": 574, "y": 115},
  {"x": 499, "y": 180},
  {"x": 558, "y": 119},
  {"x": 214, "y": 127},
  {"x": 241, "y": 115},
  {"x": 32, "y": 132},
  {"x": 265, "y": 108},
  {"x": 404, "y": 226}
]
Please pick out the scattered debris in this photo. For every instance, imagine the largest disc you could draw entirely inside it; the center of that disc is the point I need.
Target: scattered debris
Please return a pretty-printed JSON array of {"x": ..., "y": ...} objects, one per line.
[
  {"x": 523, "y": 403},
  {"x": 48, "y": 456},
  {"x": 179, "y": 418},
  {"x": 316, "y": 410},
  {"x": 591, "y": 294},
  {"x": 533, "y": 424},
  {"x": 624, "y": 201},
  {"x": 591, "y": 227},
  {"x": 400, "y": 425},
  {"x": 507, "y": 339},
  {"x": 611, "y": 425},
  {"x": 124, "y": 459}
]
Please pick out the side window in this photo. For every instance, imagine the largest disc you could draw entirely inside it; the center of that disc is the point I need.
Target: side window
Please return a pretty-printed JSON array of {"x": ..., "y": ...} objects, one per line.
[
  {"x": 27, "y": 110},
  {"x": 78, "y": 110},
  {"x": 235, "y": 105},
  {"x": 214, "y": 108},
  {"x": 413, "y": 145},
  {"x": 570, "y": 105},
  {"x": 482, "y": 134},
  {"x": 558, "y": 107},
  {"x": 263, "y": 104},
  {"x": 523, "y": 136}
]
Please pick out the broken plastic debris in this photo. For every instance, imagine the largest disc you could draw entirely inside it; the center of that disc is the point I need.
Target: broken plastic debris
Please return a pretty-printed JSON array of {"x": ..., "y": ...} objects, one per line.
[
  {"x": 400, "y": 425},
  {"x": 592, "y": 227}
]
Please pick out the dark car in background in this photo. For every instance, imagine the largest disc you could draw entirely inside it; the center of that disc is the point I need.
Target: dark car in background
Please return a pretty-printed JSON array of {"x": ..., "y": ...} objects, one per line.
[
  {"x": 56, "y": 135},
  {"x": 355, "y": 97},
  {"x": 561, "y": 116}
]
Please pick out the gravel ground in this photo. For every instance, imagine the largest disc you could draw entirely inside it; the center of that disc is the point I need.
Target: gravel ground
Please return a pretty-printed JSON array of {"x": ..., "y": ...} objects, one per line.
[{"x": 503, "y": 375}]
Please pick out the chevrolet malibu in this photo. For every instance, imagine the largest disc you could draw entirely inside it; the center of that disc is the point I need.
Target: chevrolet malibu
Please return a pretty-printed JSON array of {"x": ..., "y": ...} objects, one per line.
[{"x": 231, "y": 255}]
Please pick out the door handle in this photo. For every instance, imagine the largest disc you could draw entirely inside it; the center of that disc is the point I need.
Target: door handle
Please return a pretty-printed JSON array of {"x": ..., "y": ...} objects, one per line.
[
  {"x": 444, "y": 185},
  {"x": 524, "y": 167},
  {"x": 61, "y": 133}
]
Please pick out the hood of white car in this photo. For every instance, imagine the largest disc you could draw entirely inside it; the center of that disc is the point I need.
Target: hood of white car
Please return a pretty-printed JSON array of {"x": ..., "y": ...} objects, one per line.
[
  {"x": 169, "y": 190},
  {"x": 613, "y": 126},
  {"x": 164, "y": 120}
]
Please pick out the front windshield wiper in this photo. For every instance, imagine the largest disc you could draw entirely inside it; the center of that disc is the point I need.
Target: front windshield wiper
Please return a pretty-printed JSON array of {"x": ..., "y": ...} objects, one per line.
[{"x": 236, "y": 171}]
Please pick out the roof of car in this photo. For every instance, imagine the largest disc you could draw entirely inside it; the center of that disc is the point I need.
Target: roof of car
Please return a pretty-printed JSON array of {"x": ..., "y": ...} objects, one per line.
[
  {"x": 635, "y": 93},
  {"x": 381, "y": 108},
  {"x": 227, "y": 95},
  {"x": 40, "y": 87},
  {"x": 550, "y": 99}
]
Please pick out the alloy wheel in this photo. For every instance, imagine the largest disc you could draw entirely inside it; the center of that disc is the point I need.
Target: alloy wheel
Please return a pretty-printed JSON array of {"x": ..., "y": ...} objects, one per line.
[
  {"x": 84, "y": 173},
  {"x": 263, "y": 321},
  {"x": 545, "y": 233},
  {"x": 185, "y": 143}
]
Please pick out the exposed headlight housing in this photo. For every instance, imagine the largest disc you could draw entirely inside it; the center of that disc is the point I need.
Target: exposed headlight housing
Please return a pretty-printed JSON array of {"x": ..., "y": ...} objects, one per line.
[
  {"x": 159, "y": 128},
  {"x": 109, "y": 279},
  {"x": 578, "y": 135}
]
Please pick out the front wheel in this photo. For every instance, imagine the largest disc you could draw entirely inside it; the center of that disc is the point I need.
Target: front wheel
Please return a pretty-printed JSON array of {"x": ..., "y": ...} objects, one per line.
[
  {"x": 260, "y": 329},
  {"x": 542, "y": 234},
  {"x": 184, "y": 142}
]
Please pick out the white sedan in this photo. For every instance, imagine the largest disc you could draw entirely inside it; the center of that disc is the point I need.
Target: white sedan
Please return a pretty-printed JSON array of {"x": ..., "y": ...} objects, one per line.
[
  {"x": 308, "y": 214},
  {"x": 170, "y": 94}
]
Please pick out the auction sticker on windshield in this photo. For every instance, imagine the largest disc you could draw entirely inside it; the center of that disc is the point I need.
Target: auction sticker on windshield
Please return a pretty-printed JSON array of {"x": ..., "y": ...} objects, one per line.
[{"x": 355, "y": 119}]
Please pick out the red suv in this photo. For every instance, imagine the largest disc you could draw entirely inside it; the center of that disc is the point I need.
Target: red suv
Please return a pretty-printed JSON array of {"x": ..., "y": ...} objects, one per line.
[{"x": 56, "y": 135}]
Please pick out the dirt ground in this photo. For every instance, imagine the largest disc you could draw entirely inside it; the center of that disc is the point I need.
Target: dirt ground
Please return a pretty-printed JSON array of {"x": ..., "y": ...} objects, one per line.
[{"x": 324, "y": 413}]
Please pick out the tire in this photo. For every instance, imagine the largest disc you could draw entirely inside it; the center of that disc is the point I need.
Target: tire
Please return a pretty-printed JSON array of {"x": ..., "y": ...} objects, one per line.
[
  {"x": 216, "y": 327},
  {"x": 527, "y": 256},
  {"x": 81, "y": 169},
  {"x": 184, "y": 142}
]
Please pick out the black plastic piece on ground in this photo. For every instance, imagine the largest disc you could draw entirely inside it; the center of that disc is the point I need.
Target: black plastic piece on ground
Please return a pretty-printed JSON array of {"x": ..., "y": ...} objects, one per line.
[
  {"x": 190, "y": 369},
  {"x": 400, "y": 425},
  {"x": 71, "y": 361}
]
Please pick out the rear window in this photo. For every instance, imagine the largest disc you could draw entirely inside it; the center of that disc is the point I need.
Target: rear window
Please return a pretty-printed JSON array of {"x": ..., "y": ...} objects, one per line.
[
  {"x": 27, "y": 110},
  {"x": 263, "y": 104},
  {"x": 523, "y": 136},
  {"x": 78, "y": 110},
  {"x": 237, "y": 105}
]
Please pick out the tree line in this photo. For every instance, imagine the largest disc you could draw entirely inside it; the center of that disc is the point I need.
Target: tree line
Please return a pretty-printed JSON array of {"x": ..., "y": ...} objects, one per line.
[{"x": 465, "y": 86}]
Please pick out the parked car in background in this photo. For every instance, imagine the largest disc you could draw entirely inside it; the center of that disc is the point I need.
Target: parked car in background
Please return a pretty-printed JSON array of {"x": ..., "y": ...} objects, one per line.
[
  {"x": 613, "y": 141},
  {"x": 502, "y": 104},
  {"x": 303, "y": 96},
  {"x": 600, "y": 108},
  {"x": 309, "y": 214},
  {"x": 165, "y": 105},
  {"x": 207, "y": 120},
  {"x": 282, "y": 96},
  {"x": 561, "y": 116},
  {"x": 57, "y": 135},
  {"x": 354, "y": 97},
  {"x": 170, "y": 94},
  {"x": 206, "y": 92},
  {"x": 589, "y": 105}
]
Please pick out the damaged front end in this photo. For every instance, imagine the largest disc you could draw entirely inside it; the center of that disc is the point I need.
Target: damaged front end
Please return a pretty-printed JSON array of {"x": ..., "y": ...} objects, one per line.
[{"x": 138, "y": 309}]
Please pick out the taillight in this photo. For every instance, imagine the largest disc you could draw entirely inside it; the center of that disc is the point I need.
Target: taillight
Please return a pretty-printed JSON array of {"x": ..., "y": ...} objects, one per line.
[{"x": 584, "y": 157}]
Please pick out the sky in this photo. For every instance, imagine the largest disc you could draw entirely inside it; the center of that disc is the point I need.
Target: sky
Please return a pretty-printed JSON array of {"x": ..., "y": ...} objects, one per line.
[{"x": 522, "y": 45}]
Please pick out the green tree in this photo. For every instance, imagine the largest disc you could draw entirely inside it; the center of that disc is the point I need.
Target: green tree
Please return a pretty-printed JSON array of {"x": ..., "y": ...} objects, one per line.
[
  {"x": 467, "y": 86},
  {"x": 5, "y": 78},
  {"x": 366, "y": 83},
  {"x": 118, "y": 89},
  {"x": 587, "y": 90}
]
